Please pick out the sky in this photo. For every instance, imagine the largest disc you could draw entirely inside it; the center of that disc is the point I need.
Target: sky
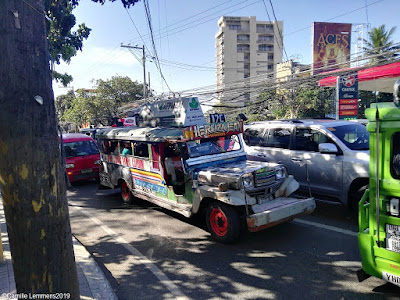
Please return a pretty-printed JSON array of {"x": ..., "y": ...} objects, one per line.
[{"x": 184, "y": 36}]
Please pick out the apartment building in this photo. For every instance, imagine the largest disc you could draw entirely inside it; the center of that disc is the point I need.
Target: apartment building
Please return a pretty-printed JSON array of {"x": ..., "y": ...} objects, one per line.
[{"x": 247, "y": 53}]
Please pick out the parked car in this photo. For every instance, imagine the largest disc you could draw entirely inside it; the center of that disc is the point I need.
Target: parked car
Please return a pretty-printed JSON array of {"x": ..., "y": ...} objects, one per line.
[
  {"x": 82, "y": 157},
  {"x": 328, "y": 158}
]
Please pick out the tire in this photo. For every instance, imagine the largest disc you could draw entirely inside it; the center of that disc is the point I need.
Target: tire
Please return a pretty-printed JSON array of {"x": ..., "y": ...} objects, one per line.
[
  {"x": 223, "y": 222},
  {"x": 126, "y": 193},
  {"x": 355, "y": 197}
]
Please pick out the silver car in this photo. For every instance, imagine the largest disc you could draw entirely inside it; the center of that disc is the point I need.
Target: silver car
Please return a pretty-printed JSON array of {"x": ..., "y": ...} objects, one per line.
[{"x": 329, "y": 159}]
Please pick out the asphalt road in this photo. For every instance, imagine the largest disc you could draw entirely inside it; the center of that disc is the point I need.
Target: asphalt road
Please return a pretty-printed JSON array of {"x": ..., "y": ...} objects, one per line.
[{"x": 148, "y": 252}]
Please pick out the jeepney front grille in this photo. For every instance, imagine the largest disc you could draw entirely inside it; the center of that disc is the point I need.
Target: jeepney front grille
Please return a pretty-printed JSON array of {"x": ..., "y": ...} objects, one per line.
[{"x": 265, "y": 178}]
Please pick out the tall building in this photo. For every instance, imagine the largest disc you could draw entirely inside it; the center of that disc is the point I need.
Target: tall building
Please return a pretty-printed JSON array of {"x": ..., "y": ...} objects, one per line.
[{"x": 247, "y": 53}]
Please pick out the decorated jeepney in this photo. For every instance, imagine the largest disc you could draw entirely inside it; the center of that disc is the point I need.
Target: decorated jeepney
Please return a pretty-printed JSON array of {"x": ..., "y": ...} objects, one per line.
[
  {"x": 200, "y": 169},
  {"x": 379, "y": 212}
]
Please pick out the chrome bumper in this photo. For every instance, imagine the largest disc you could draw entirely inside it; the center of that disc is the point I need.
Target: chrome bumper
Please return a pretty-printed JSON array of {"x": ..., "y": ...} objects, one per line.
[{"x": 278, "y": 211}]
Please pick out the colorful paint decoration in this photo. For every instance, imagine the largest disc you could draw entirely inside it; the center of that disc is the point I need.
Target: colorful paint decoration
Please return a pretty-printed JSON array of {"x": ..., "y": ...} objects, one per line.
[
  {"x": 149, "y": 182},
  {"x": 213, "y": 130}
]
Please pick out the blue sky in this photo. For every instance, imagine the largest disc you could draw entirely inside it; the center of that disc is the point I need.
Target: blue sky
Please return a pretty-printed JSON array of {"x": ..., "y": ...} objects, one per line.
[{"x": 184, "y": 34}]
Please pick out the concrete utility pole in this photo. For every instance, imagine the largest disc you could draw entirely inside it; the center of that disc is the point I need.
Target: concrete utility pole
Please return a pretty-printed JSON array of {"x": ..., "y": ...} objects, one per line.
[{"x": 143, "y": 62}]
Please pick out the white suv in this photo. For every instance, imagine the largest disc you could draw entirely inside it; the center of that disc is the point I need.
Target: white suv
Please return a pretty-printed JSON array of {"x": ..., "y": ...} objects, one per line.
[{"x": 327, "y": 157}]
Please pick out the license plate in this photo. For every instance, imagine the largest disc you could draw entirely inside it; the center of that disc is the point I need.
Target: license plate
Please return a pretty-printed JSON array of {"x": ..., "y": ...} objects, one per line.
[
  {"x": 85, "y": 171},
  {"x": 395, "y": 279},
  {"x": 393, "y": 237}
]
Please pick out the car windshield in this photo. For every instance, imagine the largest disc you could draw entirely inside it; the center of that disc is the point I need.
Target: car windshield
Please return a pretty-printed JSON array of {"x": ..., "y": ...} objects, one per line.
[
  {"x": 81, "y": 148},
  {"x": 354, "y": 136},
  {"x": 213, "y": 145}
]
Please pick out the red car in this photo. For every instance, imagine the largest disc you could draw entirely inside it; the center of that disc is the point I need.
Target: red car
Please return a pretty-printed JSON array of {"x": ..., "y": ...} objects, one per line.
[{"x": 82, "y": 157}]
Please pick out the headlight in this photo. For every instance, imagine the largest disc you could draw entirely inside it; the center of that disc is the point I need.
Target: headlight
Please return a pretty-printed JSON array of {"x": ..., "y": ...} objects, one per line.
[
  {"x": 69, "y": 166},
  {"x": 281, "y": 172},
  {"x": 97, "y": 162},
  {"x": 248, "y": 180}
]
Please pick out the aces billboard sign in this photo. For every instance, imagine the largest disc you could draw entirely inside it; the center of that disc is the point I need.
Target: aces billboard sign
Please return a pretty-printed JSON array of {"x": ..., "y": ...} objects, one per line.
[{"x": 347, "y": 95}]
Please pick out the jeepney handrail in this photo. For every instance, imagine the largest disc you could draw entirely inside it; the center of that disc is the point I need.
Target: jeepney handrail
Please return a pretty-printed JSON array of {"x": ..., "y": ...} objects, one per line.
[{"x": 363, "y": 212}]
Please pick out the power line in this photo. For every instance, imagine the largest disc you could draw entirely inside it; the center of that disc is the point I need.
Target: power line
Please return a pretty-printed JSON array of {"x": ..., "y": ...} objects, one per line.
[{"x": 279, "y": 30}]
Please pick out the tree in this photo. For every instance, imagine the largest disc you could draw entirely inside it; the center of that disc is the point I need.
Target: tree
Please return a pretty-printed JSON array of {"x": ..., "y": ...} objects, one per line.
[
  {"x": 297, "y": 102},
  {"x": 116, "y": 92},
  {"x": 31, "y": 170},
  {"x": 380, "y": 44},
  {"x": 63, "y": 103},
  {"x": 100, "y": 105},
  {"x": 63, "y": 42}
]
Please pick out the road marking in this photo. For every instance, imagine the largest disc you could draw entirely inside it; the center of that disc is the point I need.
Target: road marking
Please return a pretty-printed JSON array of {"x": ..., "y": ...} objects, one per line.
[
  {"x": 173, "y": 288},
  {"x": 327, "y": 227}
]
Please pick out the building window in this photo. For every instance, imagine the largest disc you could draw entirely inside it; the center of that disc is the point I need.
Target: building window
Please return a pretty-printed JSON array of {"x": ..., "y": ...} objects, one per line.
[
  {"x": 264, "y": 28},
  {"x": 265, "y": 38},
  {"x": 270, "y": 56},
  {"x": 246, "y": 56},
  {"x": 270, "y": 67},
  {"x": 243, "y": 48},
  {"x": 246, "y": 75},
  {"x": 243, "y": 37},
  {"x": 234, "y": 27},
  {"x": 247, "y": 66},
  {"x": 264, "y": 47}
]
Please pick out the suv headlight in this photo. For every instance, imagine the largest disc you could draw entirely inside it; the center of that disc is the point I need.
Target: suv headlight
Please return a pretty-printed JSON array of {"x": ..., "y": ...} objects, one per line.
[
  {"x": 248, "y": 180},
  {"x": 97, "y": 162},
  {"x": 281, "y": 172},
  {"x": 69, "y": 166}
]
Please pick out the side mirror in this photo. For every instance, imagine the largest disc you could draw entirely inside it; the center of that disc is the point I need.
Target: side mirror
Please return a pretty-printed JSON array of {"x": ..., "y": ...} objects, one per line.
[{"x": 328, "y": 148}]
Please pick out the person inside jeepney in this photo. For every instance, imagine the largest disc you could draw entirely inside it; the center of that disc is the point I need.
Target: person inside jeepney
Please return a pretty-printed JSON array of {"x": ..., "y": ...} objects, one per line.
[
  {"x": 173, "y": 163},
  {"x": 127, "y": 149}
]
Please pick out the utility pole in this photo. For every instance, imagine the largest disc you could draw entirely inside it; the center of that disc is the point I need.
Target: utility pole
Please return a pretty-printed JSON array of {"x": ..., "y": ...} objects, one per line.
[{"x": 143, "y": 62}]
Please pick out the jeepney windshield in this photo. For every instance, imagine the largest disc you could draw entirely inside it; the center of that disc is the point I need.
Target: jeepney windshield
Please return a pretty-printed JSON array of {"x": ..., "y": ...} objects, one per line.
[{"x": 214, "y": 145}]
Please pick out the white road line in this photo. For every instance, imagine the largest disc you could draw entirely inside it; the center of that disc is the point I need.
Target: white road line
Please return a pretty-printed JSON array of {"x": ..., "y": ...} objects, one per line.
[
  {"x": 172, "y": 287},
  {"x": 327, "y": 227}
]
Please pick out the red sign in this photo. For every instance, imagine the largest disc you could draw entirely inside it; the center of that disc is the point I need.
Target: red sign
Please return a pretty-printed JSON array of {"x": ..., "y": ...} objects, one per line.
[
  {"x": 331, "y": 46},
  {"x": 348, "y": 113},
  {"x": 348, "y": 107},
  {"x": 348, "y": 101}
]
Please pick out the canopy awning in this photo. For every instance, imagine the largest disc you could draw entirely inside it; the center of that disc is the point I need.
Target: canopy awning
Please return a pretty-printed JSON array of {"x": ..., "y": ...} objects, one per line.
[{"x": 380, "y": 78}]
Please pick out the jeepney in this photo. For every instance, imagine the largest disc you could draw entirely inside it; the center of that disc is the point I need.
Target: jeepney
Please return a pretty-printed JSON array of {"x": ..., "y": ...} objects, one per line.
[
  {"x": 379, "y": 213},
  {"x": 200, "y": 169}
]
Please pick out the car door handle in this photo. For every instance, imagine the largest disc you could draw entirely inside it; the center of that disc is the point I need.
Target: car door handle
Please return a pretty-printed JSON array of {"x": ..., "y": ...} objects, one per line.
[
  {"x": 261, "y": 155},
  {"x": 297, "y": 159}
]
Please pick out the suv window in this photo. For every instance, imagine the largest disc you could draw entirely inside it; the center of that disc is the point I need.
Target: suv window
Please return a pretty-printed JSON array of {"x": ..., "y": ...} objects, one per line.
[
  {"x": 354, "y": 136},
  {"x": 278, "y": 138},
  {"x": 308, "y": 139},
  {"x": 254, "y": 137}
]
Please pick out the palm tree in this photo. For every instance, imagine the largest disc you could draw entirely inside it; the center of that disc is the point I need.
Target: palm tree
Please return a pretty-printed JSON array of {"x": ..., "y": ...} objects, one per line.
[{"x": 380, "y": 46}]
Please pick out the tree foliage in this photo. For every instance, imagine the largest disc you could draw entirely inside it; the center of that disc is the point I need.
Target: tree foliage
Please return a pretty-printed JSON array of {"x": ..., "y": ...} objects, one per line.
[
  {"x": 379, "y": 44},
  {"x": 100, "y": 105},
  {"x": 299, "y": 102},
  {"x": 63, "y": 42}
]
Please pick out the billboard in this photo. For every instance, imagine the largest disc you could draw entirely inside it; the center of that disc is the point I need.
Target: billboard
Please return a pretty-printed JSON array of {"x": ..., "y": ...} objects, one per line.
[
  {"x": 347, "y": 95},
  {"x": 331, "y": 46}
]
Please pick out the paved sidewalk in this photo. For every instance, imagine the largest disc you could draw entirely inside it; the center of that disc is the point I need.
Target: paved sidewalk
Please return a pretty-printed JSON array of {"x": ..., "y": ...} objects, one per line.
[{"x": 92, "y": 282}]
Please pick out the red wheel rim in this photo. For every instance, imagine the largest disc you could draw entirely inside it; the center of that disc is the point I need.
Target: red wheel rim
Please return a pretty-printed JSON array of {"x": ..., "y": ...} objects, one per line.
[
  {"x": 125, "y": 190},
  {"x": 219, "y": 222}
]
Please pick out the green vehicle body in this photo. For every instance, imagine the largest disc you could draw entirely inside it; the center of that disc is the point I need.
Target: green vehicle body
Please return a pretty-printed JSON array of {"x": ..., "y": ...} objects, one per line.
[{"x": 377, "y": 260}]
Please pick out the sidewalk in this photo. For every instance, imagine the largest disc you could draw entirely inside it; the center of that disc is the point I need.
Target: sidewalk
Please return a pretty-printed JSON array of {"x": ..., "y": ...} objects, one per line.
[{"x": 92, "y": 282}]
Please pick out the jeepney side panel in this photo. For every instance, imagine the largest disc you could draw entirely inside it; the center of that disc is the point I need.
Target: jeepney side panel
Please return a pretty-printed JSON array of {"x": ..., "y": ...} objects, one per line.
[{"x": 141, "y": 177}]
